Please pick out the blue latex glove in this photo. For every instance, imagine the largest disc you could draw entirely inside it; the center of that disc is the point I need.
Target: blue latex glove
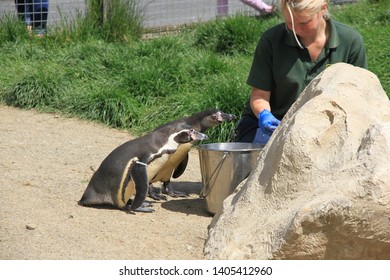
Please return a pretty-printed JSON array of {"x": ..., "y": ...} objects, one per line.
[
  {"x": 267, "y": 124},
  {"x": 267, "y": 121}
]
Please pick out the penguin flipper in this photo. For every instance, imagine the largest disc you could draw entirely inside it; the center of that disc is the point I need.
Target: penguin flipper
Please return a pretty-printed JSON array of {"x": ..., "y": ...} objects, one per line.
[
  {"x": 181, "y": 167},
  {"x": 140, "y": 178}
]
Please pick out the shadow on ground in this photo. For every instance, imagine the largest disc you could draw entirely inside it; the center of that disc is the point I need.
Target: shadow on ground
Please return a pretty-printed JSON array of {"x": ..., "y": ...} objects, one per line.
[{"x": 189, "y": 206}]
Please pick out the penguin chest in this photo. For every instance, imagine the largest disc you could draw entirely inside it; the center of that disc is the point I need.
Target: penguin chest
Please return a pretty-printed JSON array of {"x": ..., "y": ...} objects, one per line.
[
  {"x": 165, "y": 173},
  {"x": 179, "y": 155},
  {"x": 158, "y": 160},
  {"x": 155, "y": 166}
]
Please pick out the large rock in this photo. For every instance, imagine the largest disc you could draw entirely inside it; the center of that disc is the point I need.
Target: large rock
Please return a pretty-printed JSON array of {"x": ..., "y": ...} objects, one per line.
[{"x": 321, "y": 189}]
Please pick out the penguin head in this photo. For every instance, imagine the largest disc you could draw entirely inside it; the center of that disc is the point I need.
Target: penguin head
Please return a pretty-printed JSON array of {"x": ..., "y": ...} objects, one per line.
[
  {"x": 189, "y": 135},
  {"x": 214, "y": 117}
]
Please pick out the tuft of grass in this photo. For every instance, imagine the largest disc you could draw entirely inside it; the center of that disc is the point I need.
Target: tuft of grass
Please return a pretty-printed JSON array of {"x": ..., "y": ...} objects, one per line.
[
  {"x": 237, "y": 34},
  {"x": 113, "y": 108},
  {"x": 119, "y": 20},
  {"x": 11, "y": 29},
  {"x": 36, "y": 90}
]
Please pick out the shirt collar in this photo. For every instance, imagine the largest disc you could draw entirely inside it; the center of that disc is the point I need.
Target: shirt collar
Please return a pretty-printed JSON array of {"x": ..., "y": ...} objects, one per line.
[{"x": 333, "y": 40}]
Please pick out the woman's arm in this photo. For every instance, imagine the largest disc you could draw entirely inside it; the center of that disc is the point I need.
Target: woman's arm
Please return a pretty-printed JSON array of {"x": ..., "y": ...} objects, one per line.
[{"x": 259, "y": 100}]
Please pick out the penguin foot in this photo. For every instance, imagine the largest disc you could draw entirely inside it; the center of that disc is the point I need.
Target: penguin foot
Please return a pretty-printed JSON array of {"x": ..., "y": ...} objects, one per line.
[
  {"x": 155, "y": 194},
  {"x": 168, "y": 189},
  {"x": 145, "y": 207}
]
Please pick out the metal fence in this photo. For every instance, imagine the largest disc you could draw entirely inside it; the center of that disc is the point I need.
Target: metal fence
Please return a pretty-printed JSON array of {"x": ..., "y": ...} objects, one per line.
[
  {"x": 162, "y": 13},
  {"x": 157, "y": 13}
]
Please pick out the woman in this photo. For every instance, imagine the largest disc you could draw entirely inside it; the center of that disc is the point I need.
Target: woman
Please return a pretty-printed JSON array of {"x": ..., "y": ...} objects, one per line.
[
  {"x": 260, "y": 6},
  {"x": 287, "y": 57}
]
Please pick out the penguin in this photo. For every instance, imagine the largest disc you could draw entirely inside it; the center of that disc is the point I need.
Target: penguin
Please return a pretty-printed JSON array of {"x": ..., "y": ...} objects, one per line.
[
  {"x": 128, "y": 169},
  {"x": 177, "y": 162}
]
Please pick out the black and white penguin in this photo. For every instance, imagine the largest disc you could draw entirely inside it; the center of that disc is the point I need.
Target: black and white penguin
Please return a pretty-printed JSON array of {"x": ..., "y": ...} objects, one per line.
[
  {"x": 128, "y": 169},
  {"x": 177, "y": 162}
]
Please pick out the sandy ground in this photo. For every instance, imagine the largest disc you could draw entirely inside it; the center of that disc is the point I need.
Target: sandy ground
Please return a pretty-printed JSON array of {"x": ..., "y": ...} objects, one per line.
[{"x": 46, "y": 162}]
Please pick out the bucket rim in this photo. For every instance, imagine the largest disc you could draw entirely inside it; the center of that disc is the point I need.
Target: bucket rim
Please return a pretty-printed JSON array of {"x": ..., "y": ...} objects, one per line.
[{"x": 232, "y": 147}]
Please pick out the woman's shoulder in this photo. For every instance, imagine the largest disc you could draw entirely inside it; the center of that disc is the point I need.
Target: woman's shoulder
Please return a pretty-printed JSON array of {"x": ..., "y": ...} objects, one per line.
[
  {"x": 276, "y": 31},
  {"x": 345, "y": 31}
]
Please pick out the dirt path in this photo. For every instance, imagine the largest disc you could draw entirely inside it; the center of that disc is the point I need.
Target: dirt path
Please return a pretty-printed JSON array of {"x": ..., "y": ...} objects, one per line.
[{"x": 46, "y": 162}]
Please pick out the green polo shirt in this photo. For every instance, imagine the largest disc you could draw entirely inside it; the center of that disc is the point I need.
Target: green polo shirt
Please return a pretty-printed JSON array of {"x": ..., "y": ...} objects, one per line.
[{"x": 282, "y": 67}]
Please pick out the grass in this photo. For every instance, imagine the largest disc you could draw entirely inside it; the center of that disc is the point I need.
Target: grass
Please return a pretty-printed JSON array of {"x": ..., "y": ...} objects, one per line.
[{"x": 83, "y": 69}]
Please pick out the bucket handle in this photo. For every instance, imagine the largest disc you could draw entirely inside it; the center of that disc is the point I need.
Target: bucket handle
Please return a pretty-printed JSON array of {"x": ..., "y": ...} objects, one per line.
[{"x": 202, "y": 194}]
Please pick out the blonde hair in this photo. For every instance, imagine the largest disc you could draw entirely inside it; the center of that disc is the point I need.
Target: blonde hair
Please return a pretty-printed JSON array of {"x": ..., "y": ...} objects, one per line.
[{"x": 307, "y": 6}]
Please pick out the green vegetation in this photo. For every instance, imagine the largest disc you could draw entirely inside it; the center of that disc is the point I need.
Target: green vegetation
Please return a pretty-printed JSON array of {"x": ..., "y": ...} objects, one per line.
[{"x": 101, "y": 69}]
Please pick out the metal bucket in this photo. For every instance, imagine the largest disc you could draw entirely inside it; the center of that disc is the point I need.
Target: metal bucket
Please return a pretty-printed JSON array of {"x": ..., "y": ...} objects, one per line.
[{"x": 223, "y": 167}]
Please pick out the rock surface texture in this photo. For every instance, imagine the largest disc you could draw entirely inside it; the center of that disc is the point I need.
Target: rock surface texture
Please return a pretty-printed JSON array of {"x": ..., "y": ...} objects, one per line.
[{"x": 321, "y": 188}]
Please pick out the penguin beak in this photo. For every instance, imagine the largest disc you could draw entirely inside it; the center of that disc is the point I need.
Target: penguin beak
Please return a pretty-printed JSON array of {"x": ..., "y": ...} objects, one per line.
[
  {"x": 223, "y": 117},
  {"x": 197, "y": 136},
  {"x": 228, "y": 117}
]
